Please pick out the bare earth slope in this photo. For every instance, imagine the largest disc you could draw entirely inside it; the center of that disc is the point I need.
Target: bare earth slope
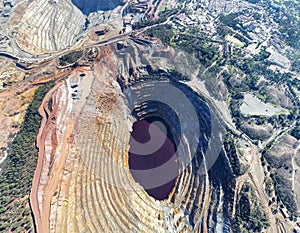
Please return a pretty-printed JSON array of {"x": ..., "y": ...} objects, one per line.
[
  {"x": 47, "y": 26},
  {"x": 238, "y": 172}
]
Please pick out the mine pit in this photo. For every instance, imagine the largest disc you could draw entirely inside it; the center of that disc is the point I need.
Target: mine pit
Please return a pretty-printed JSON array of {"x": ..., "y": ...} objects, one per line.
[
  {"x": 151, "y": 147},
  {"x": 90, "y": 6}
]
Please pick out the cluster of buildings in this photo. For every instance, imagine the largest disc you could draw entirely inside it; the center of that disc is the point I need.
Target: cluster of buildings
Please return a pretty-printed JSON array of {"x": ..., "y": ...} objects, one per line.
[
  {"x": 186, "y": 20},
  {"x": 202, "y": 21}
]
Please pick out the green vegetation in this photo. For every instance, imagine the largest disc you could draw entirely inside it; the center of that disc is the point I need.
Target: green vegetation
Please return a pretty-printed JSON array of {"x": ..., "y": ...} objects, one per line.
[
  {"x": 232, "y": 155},
  {"x": 284, "y": 193},
  {"x": 70, "y": 58},
  {"x": 231, "y": 25},
  {"x": 250, "y": 214},
  {"x": 16, "y": 177},
  {"x": 223, "y": 31},
  {"x": 296, "y": 132},
  {"x": 282, "y": 186},
  {"x": 254, "y": 1},
  {"x": 236, "y": 101},
  {"x": 225, "y": 179},
  {"x": 163, "y": 16},
  {"x": 230, "y": 20},
  {"x": 164, "y": 32},
  {"x": 205, "y": 52},
  {"x": 289, "y": 23},
  {"x": 190, "y": 40},
  {"x": 263, "y": 54},
  {"x": 50, "y": 103},
  {"x": 255, "y": 68}
]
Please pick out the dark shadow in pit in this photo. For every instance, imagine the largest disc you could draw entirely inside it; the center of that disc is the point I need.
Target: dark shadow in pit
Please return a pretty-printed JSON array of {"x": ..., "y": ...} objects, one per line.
[{"x": 89, "y": 6}]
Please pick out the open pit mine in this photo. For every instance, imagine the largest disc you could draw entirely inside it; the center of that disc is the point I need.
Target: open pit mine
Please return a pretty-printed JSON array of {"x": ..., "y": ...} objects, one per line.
[
  {"x": 116, "y": 118},
  {"x": 90, "y": 175}
]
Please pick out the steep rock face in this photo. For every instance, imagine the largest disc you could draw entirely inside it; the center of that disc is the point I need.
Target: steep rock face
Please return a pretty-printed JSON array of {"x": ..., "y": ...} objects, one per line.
[
  {"x": 83, "y": 174},
  {"x": 89, "y": 6},
  {"x": 46, "y": 26}
]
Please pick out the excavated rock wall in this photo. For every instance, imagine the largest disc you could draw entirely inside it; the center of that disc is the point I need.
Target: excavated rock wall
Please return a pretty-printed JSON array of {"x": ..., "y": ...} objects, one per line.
[
  {"x": 46, "y": 26},
  {"x": 83, "y": 181}
]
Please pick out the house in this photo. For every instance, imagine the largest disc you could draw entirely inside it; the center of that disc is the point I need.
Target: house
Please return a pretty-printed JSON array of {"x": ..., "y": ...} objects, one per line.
[{"x": 181, "y": 16}]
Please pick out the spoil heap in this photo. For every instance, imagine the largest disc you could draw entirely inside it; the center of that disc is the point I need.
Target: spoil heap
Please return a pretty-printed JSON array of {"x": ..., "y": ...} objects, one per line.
[{"x": 46, "y": 26}]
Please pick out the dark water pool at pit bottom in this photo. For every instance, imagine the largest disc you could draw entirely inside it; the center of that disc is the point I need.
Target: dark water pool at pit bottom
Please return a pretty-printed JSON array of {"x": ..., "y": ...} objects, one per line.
[{"x": 147, "y": 162}]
